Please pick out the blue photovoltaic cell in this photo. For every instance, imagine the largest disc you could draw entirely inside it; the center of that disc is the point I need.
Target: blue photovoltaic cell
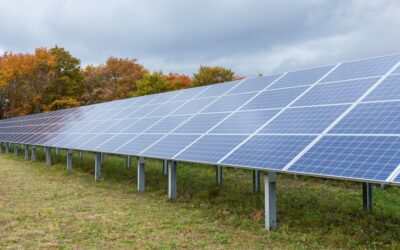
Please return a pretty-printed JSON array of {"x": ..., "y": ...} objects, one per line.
[
  {"x": 193, "y": 106},
  {"x": 365, "y": 68},
  {"x": 244, "y": 121},
  {"x": 268, "y": 151},
  {"x": 170, "y": 146},
  {"x": 163, "y": 97},
  {"x": 99, "y": 127},
  {"x": 210, "y": 148},
  {"x": 96, "y": 141},
  {"x": 389, "y": 89},
  {"x": 67, "y": 140},
  {"x": 228, "y": 103},
  {"x": 218, "y": 89},
  {"x": 361, "y": 157},
  {"x": 302, "y": 77},
  {"x": 141, "y": 125},
  {"x": 310, "y": 120},
  {"x": 124, "y": 113},
  {"x": 79, "y": 140},
  {"x": 335, "y": 93},
  {"x": 187, "y": 94},
  {"x": 371, "y": 118},
  {"x": 165, "y": 109},
  {"x": 137, "y": 145},
  {"x": 254, "y": 84},
  {"x": 167, "y": 124},
  {"x": 144, "y": 110},
  {"x": 115, "y": 142},
  {"x": 118, "y": 126},
  {"x": 201, "y": 123},
  {"x": 274, "y": 98},
  {"x": 397, "y": 71}
]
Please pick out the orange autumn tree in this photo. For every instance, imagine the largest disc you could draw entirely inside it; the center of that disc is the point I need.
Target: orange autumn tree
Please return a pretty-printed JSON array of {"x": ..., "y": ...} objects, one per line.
[
  {"x": 116, "y": 79},
  {"x": 46, "y": 80}
]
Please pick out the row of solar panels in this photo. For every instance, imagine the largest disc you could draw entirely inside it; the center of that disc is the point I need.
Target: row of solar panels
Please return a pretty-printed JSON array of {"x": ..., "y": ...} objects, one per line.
[{"x": 338, "y": 121}]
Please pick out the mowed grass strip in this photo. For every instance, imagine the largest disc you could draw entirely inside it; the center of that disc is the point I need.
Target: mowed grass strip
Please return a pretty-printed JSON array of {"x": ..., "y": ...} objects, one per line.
[{"x": 48, "y": 208}]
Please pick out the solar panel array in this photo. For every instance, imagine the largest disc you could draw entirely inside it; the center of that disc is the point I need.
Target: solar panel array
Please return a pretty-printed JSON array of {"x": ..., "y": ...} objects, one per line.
[{"x": 339, "y": 121}]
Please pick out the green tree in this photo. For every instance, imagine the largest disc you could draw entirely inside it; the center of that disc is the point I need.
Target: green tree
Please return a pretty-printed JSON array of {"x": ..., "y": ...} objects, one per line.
[
  {"x": 209, "y": 75},
  {"x": 67, "y": 82},
  {"x": 151, "y": 84}
]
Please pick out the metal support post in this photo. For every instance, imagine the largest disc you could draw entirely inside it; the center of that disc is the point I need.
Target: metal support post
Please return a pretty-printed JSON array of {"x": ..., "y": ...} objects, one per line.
[
  {"x": 270, "y": 201},
  {"x": 367, "y": 197},
  {"x": 33, "y": 153},
  {"x": 256, "y": 181},
  {"x": 69, "y": 159},
  {"x": 16, "y": 150},
  {"x": 57, "y": 151},
  {"x": 172, "y": 191},
  {"x": 48, "y": 156},
  {"x": 165, "y": 167},
  {"x": 26, "y": 152},
  {"x": 97, "y": 167},
  {"x": 218, "y": 179},
  {"x": 140, "y": 174},
  {"x": 80, "y": 155},
  {"x": 7, "y": 144},
  {"x": 128, "y": 161}
]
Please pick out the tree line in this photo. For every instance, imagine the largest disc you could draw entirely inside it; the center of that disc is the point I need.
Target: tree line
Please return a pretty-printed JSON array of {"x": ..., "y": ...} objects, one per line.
[{"x": 52, "y": 79}]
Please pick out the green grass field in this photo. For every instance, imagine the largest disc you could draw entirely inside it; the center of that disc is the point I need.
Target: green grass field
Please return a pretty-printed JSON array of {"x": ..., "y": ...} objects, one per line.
[{"x": 48, "y": 208}]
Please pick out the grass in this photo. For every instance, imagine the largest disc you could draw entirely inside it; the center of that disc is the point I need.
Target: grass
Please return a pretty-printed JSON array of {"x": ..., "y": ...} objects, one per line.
[{"x": 48, "y": 208}]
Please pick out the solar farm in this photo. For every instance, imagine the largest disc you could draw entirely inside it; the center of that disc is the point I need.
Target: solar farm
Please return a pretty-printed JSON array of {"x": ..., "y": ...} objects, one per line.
[{"x": 339, "y": 121}]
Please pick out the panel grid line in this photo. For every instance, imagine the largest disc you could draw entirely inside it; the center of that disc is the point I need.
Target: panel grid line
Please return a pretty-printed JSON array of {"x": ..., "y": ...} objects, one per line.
[
  {"x": 278, "y": 114},
  {"x": 232, "y": 113},
  {"x": 355, "y": 104}
]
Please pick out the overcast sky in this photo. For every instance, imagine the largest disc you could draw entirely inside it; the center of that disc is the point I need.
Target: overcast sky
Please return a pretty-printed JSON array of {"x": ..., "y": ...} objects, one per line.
[{"x": 248, "y": 36}]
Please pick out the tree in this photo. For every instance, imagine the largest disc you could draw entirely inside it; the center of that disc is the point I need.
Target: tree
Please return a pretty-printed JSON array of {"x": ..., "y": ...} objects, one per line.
[
  {"x": 67, "y": 79},
  {"x": 116, "y": 79},
  {"x": 209, "y": 75},
  {"x": 151, "y": 84},
  {"x": 176, "y": 81}
]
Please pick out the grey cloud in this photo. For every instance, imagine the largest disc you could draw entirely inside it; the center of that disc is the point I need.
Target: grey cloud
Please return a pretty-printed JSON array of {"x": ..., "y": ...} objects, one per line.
[{"x": 250, "y": 36}]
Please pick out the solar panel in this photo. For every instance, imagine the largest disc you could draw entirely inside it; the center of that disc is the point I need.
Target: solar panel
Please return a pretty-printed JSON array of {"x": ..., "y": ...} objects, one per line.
[
  {"x": 364, "y": 68},
  {"x": 371, "y": 118},
  {"x": 274, "y": 98},
  {"x": 397, "y": 71},
  {"x": 141, "y": 125},
  {"x": 338, "y": 121},
  {"x": 193, "y": 106},
  {"x": 168, "y": 123},
  {"x": 218, "y": 89},
  {"x": 210, "y": 148},
  {"x": 169, "y": 146},
  {"x": 94, "y": 141},
  {"x": 353, "y": 157},
  {"x": 188, "y": 94},
  {"x": 244, "y": 122},
  {"x": 228, "y": 103},
  {"x": 271, "y": 152},
  {"x": 387, "y": 90},
  {"x": 337, "y": 92},
  {"x": 137, "y": 144},
  {"x": 201, "y": 123},
  {"x": 310, "y": 120},
  {"x": 301, "y": 77},
  {"x": 254, "y": 84}
]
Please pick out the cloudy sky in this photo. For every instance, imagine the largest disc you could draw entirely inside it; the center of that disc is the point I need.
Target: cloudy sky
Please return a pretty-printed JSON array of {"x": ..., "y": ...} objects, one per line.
[{"x": 249, "y": 36}]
